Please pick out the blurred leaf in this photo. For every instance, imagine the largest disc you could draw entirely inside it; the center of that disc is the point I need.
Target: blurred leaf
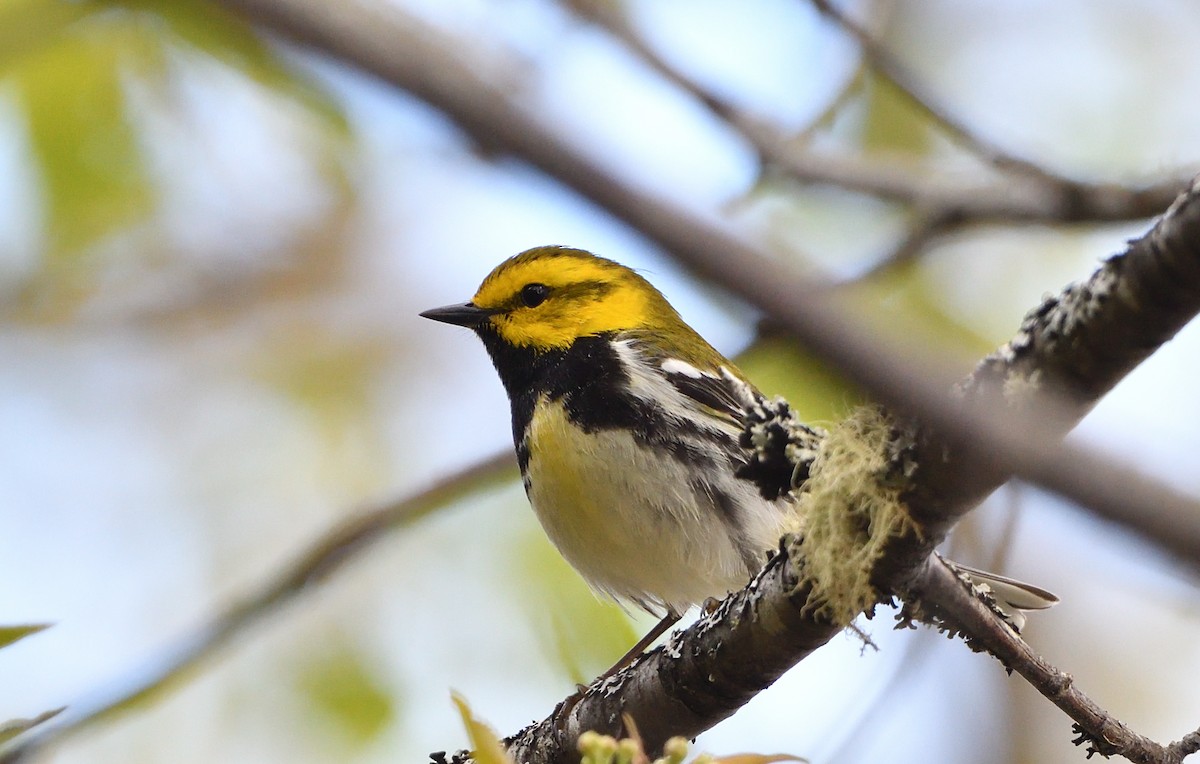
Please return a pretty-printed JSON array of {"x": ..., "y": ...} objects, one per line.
[
  {"x": 13, "y": 727},
  {"x": 331, "y": 376},
  {"x": 485, "y": 744},
  {"x": 341, "y": 687},
  {"x": 92, "y": 167},
  {"x": 11, "y": 634},
  {"x": 27, "y": 25},
  {"x": 892, "y": 123},
  {"x": 224, "y": 35},
  {"x": 585, "y": 633},
  {"x": 69, "y": 65}
]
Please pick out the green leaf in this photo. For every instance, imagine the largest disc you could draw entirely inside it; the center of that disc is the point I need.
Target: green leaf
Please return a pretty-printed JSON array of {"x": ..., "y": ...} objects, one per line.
[
  {"x": 11, "y": 634},
  {"x": 227, "y": 37},
  {"x": 342, "y": 688},
  {"x": 13, "y": 727},
  {"x": 329, "y": 376},
  {"x": 68, "y": 65},
  {"x": 28, "y": 25},
  {"x": 92, "y": 169},
  {"x": 892, "y": 122},
  {"x": 486, "y": 747}
]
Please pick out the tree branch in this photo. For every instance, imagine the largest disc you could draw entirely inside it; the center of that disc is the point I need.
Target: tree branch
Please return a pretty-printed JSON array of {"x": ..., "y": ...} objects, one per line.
[
  {"x": 1069, "y": 343},
  {"x": 701, "y": 676},
  {"x": 947, "y": 603},
  {"x": 1022, "y": 194},
  {"x": 441, "y": 70},
  {"x": 326, "y": 556},
  {"x": 885, "y": 63}
]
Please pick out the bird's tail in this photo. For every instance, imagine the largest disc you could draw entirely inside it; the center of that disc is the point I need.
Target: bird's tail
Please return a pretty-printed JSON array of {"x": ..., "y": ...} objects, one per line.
[{"x": 1012, "y": 597}]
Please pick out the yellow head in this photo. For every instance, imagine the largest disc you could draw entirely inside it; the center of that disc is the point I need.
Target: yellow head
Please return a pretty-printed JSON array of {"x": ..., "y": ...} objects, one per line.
[{"x": 548, "y": 297}]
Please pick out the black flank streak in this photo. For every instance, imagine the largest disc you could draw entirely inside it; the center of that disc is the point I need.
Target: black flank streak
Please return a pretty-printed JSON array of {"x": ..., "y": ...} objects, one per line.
[
  {"x": 769, "y": 467},
  {"x": 727, "y": 510},
  {"x": 522, "y": 454},
  {"x": 710, "y": 391}
]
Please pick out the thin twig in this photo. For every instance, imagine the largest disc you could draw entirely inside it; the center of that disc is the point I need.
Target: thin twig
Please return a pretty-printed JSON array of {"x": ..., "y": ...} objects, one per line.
[
  {"x": 441, "y": 69},
  {"x": 927, "y": 227},
  {"x": 946, "y": 602},
  {"x": 885, "y": 63},
  {"x": 325, "y": 556},
  {"x": 1020, "y": 197}
]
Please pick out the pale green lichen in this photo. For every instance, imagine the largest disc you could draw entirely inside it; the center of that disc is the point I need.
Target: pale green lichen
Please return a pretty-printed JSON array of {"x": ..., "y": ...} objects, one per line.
[
  {"x": 848, "y": 511},
  {"x": 1020, "y": 388}
]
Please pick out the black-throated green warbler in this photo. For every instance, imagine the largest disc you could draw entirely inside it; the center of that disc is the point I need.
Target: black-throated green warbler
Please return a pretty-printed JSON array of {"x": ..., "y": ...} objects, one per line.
[{"x": 656, "y": 468}]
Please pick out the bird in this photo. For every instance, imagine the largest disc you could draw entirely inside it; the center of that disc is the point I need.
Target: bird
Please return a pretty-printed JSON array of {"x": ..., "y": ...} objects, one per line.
[{"x": 656, "y": 468}]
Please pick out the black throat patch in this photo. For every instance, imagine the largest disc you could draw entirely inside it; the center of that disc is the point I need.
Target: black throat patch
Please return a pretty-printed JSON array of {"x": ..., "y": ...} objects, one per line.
[{"x": 593, "y": 385}]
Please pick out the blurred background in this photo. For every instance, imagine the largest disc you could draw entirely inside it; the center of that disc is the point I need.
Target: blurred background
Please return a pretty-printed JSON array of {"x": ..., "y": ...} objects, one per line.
[{"x": 213, "y": 250}]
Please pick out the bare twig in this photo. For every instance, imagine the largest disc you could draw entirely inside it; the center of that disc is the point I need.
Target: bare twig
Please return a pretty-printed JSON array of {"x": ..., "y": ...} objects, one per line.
[
  {"x": 314, "y": 565},
  {"x": 884, "y": 62},
  {"x": 952, "y": 200},
  {"x": 947, "y": 603},
  {"x": 927, "y": 227},
  {"x": 1186, "y": 745}
]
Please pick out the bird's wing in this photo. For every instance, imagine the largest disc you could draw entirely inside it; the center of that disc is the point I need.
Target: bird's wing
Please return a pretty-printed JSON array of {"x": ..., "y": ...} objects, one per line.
[{"x": 720, "y": 392}]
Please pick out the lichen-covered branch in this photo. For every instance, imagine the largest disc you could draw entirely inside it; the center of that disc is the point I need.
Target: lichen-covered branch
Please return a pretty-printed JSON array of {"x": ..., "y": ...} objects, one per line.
[
  {"x": 946, "y": 603},
  {"x": 701, "y": 676},
  {"x": 929, "y": 466},
  {"x": 1069, "y": 352}
]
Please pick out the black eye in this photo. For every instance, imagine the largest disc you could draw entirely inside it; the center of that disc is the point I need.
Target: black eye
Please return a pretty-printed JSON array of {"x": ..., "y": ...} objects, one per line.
[{"x": 534, "y": 295}]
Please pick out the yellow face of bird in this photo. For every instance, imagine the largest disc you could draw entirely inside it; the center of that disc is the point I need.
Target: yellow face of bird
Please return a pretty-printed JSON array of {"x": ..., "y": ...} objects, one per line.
[{"x": 548, "y": 297}]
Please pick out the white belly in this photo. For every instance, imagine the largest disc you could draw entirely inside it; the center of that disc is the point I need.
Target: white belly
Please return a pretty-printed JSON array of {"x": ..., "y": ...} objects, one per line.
[{"x": 637, "y": 523}]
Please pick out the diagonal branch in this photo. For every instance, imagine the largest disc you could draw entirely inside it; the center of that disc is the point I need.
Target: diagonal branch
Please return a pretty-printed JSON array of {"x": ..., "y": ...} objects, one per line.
[
  {"x": 883, "y": 61},
  {"x": 441, "y": 70},
  {"x": 946, "y": 603},
  {"x": 326, "y": 556},
  {"x": 1070, "y": 344},
  {"x": 1030, "y": 195}
]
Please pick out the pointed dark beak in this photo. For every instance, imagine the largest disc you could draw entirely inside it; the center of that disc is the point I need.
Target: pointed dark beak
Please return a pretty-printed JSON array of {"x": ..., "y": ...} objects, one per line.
[{"x": 464, "y": 314}]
